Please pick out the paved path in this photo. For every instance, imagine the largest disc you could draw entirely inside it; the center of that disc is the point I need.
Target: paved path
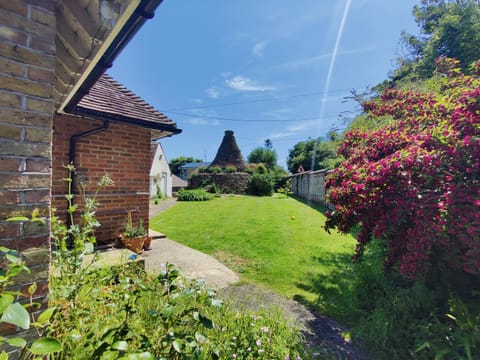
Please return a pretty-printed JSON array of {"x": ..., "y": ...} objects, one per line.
[
  {"x": 320, "y": 332},
  {"x": 161, "y": 206},
  {"x": 192, "y": 263}
]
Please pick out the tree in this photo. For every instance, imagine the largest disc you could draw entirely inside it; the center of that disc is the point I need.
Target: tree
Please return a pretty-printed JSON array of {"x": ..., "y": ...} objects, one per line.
[
  {"x": 265, "y": 155},
  {"x": 447, "y": 28},
  {"x": 268, "y": 144},
  {"x": 176, "y": 163},
  {"x": 415, "y": 183},
  {"x": 325, "y": 155}
]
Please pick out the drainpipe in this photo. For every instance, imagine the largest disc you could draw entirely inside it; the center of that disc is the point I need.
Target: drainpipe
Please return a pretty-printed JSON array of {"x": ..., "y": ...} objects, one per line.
[{"x": 72, "y": 152}]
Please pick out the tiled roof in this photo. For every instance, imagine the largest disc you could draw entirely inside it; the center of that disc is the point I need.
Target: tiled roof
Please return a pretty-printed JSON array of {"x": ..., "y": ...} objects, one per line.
[
  {"x": 194, "y": 165},
  {"x": 111, "y": 99},
  {"x": 153, "y": 150},
  {"x": 177, "y": 182}
]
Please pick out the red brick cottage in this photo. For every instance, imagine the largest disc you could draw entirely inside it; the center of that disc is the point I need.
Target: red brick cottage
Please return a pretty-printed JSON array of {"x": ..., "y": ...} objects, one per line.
[
  {"x": 52, "y": 53},
  {"x": 113, "y": 136}
]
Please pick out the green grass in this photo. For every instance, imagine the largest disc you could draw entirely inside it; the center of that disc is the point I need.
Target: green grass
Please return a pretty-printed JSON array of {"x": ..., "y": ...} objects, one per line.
[{"x": 276, "y": 242}]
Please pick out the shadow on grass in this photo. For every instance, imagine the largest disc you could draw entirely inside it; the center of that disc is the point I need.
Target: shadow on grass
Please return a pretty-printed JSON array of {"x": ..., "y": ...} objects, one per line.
[
  {"x": 319, "y": 207},
  {"x": 334, "y": 306},
  {"x": 334, "y": 292}
]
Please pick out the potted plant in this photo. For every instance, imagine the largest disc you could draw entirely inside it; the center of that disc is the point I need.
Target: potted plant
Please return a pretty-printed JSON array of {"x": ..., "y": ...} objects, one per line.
[{"x": 135, "y": 238}]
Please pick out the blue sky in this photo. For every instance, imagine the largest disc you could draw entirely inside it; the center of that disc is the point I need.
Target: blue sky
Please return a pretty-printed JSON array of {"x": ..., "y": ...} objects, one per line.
[{"x": 260, "y": 68}]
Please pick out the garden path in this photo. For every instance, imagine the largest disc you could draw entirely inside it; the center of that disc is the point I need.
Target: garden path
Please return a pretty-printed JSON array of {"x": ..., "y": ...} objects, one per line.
[{"x": 321, "y": 333}]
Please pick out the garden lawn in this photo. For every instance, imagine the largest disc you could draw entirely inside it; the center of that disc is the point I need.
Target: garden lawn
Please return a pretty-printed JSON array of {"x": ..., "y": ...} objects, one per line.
[{"x": 276, "y": 242}]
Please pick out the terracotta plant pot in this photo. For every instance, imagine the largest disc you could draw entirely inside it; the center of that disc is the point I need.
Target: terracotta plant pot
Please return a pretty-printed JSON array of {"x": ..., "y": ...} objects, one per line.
[
  {"x": 147, "y": 244},
  {"x": 134, "y": 244}
]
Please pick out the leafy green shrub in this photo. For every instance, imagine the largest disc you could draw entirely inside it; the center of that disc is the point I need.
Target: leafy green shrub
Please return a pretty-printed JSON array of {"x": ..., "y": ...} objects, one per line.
[
  {"x": 230, "y": 169},
  {"x": 454, "y": 335},
  {"x": 284, "y": 186},
  {"x": 74, "y": 241},
  {"x": 14, "y": 313},
  {"x": 261, "y": 169},
  {"x": 213, "y": 188},
  {"x": 202, "y": 169},
  {"x": 193, "y": 195},
  {"x": 260, "y": 185},
  {"x": 140, "y": 317},
  {"x": 214, "y": 169}
]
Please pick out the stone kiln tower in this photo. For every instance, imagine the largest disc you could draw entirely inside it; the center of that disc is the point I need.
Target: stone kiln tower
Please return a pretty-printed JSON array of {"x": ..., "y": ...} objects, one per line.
[{"x": 229, "y": 154}]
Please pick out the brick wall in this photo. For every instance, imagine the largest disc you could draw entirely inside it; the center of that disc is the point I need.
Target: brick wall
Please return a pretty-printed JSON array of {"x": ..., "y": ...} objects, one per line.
[
  {"x": 123, "y": 151},
  {"x": 27, "y": 68}
]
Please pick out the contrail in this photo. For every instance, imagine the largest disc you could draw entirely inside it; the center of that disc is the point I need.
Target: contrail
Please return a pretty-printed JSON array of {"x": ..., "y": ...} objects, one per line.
[{"x": 329, "y": 73}]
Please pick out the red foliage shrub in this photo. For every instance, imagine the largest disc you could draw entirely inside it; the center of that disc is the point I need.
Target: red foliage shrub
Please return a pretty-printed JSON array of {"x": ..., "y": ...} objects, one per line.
[{"x": 415, "y": 183}]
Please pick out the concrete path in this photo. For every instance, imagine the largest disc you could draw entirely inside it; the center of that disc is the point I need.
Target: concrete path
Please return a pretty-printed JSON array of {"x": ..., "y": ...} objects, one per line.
[
  {"x": 194, "y": 264},
  {"x": 161, "y": 206}
]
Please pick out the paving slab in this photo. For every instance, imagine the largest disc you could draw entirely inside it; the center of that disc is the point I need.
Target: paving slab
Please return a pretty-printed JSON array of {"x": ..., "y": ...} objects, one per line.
[{"x": 193, "y": 263}]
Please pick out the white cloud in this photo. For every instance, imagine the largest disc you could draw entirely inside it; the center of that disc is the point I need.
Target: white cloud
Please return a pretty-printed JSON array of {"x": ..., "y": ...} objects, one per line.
[
  {"x": 242, "y": 83},
  {"x": 313, "y": 60},
  {"x": 212, "y": 92},
  {"x": 258, "y": 48},
  {"x": 294, "y": 129},
  {"x": 202, "y": 122}
]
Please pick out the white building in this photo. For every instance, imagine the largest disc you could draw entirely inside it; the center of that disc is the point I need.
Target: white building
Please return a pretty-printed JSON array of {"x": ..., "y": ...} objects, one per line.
[{"x": 160, "y": 175}]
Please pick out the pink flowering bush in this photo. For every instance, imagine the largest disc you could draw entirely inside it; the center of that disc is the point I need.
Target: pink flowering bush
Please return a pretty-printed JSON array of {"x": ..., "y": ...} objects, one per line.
[{"x": 415, "y": 183}]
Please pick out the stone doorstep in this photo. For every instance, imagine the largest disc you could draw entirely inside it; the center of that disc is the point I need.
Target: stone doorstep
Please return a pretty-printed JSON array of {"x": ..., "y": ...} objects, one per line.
[{"x": 155, "y": 234}]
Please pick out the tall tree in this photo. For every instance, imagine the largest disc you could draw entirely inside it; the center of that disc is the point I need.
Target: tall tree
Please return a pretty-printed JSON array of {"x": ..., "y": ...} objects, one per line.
[
  {"x": 448, "y": 28},
  {"x": 265, "y": 155},
  {"x": 325, "y": 154},
  {"x": 268, "y": 144},
  {"x": 176, "y": 163}
]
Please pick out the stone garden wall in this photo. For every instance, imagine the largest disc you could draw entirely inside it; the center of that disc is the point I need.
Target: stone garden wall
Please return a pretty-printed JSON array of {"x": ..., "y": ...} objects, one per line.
[{"x": 230, "y": 183}]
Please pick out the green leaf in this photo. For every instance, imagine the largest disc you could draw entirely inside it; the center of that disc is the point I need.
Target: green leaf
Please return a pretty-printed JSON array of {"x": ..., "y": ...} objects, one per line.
[
  {"x": 109, "y": 355},
  {"x": 200, "y": 338},
  {"x": 17, "y": 315},
  {"x": 120, "y": 345},
  {"x": 167, "y": 311},
  {"x": 451, "y": 317},
  {"x": 177, "y": 345},
  {"x": 16, "y": 269},
  {"x": 217, "y": 303},
  {"x": 18, "y": 218},
  {"x": 32, "y": 289},
  {"x": 46, "y": 316},
  {"x": 45, "y": 346},
  {"x": 17, "y": 342},
  {"x": 5, "y": 301},
  {"x": 13, "y": 257},
  {"x": 3, "y": 356},
  {"x": 138, "y": 356},
  {"x": 206, "y": 322},
  {"x": 145, "y": 356},
  {"x": 35, "y": 213}
]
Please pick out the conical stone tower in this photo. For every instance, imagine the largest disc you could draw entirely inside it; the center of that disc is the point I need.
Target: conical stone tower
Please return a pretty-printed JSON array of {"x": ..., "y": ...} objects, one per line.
[{"x": 229, "y": 154}]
